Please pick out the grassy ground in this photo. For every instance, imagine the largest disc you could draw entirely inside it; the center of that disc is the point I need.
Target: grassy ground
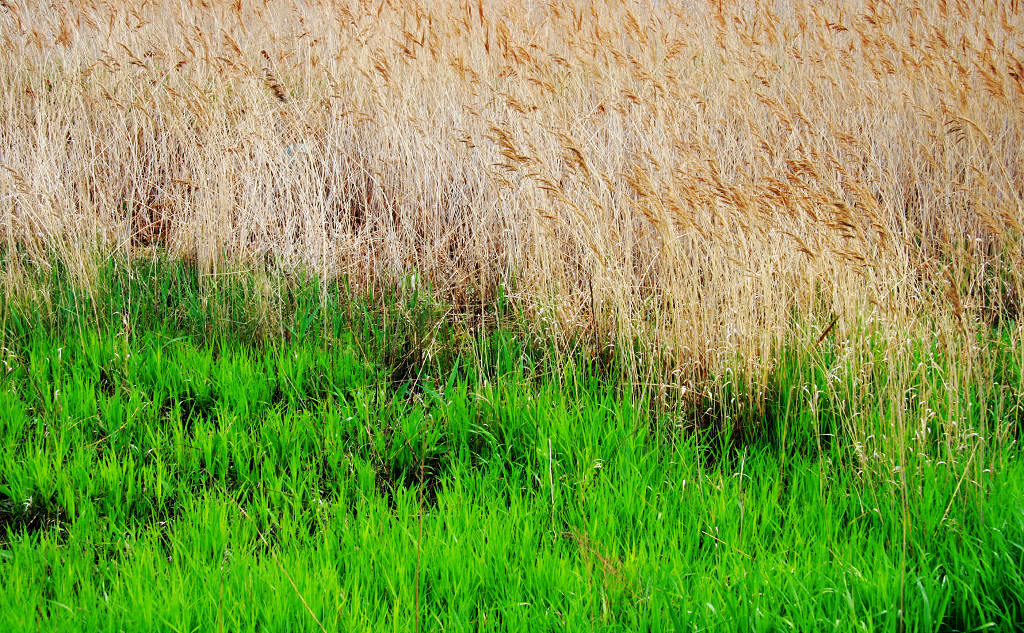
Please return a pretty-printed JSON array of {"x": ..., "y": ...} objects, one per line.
[
  {"x": 724, "y": 329},
  {"x": 174, "y": 459}
]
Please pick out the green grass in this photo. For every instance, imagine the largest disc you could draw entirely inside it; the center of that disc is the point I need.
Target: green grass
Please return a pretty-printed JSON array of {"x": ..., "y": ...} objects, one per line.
[{"x": 185, "y": 454}]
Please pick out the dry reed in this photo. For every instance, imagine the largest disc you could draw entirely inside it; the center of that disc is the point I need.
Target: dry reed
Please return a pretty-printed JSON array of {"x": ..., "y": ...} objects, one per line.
[{"x": 697, "y": 183}]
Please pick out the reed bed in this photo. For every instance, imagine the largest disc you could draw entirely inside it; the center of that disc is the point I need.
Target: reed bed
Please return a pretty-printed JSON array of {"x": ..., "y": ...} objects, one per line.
[
  {"x": 698, "y": 187},
  {"x": 511, "y": 316}
]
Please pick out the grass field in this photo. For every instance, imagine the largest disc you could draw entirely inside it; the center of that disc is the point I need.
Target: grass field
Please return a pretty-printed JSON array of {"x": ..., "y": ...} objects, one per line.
[
  {"x": 165, "y": 468},
  {"x": 327, "y": 314}
]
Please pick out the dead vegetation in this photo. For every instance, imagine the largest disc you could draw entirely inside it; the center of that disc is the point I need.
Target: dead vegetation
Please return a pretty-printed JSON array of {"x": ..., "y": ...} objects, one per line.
[{"x": 709, "y": 180}]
